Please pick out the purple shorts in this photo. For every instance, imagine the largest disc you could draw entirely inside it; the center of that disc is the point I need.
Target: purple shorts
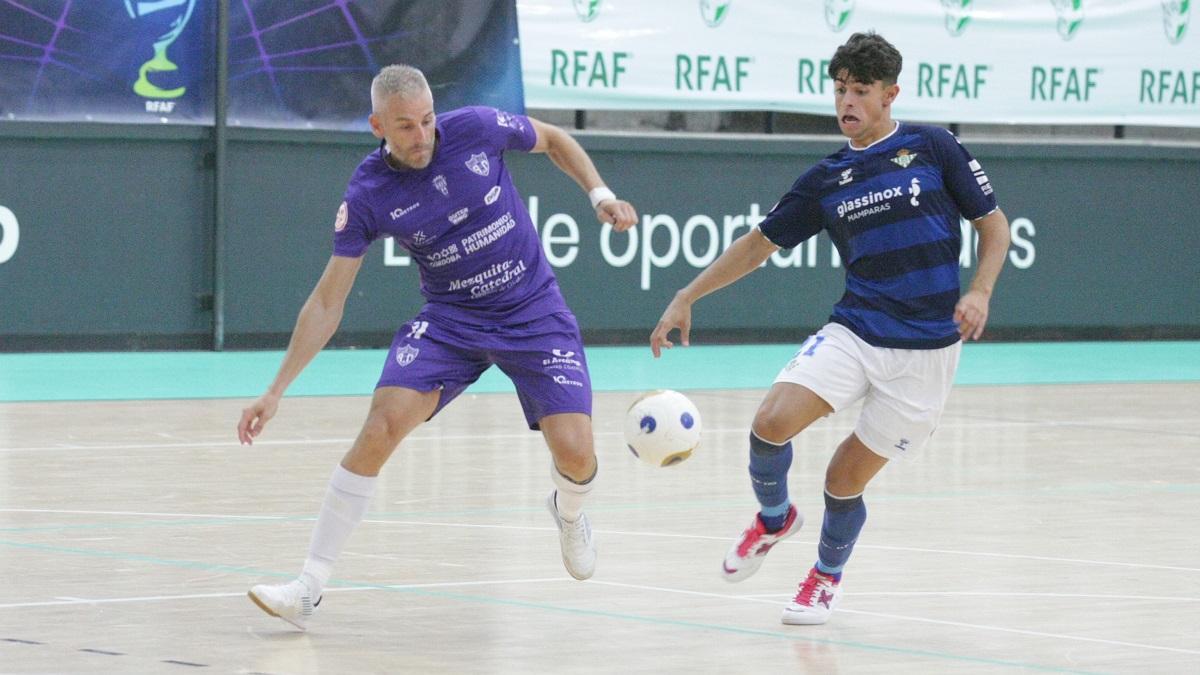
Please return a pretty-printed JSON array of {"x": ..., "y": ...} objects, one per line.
[{"x": 543, "y": 358}]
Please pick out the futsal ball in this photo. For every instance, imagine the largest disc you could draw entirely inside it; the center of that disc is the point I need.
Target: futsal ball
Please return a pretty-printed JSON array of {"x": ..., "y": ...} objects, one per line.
[{"x": 662, "y": 428}]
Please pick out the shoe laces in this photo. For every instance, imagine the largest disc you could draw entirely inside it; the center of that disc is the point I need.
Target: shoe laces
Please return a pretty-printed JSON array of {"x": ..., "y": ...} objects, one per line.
[
  {"x": 750, "y": 538},
  {"x": 577, "y": 531},
  {"x": 815, "y": 581}
]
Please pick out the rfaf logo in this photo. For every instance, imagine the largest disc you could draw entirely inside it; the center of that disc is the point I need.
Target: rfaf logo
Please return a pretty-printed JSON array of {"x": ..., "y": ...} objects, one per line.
[
  {"x": 958, "y": 15},
  {"x": 1175, "y": 19},
  {"x": 837, "y": 13},
  {"x": 714, "y": 11},
  {"x": 587, "y": 9},
  {"x": 1070, "y": 17}
]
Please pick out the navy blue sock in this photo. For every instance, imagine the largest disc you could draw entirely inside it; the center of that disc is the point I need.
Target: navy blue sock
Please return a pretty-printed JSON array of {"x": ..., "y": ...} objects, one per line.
[
  {"x": 769, "y": 464},
  {"x": 844, "y": 518}
]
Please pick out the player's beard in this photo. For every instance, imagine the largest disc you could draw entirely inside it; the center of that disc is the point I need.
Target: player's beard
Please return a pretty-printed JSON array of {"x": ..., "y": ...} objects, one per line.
[{"x": 418, "y": 157}]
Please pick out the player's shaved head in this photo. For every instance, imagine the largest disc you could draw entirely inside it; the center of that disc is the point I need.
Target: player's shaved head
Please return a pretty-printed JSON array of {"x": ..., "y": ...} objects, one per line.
[
  {"x": 400, "y": 80},
  {"x": 866, "y": 58}
]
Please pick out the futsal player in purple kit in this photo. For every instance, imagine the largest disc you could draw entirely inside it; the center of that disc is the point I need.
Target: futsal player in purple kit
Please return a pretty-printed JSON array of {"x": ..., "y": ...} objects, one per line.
[
  {"x": 438, "y": 185},
  {"x": 890, "y": 200}
]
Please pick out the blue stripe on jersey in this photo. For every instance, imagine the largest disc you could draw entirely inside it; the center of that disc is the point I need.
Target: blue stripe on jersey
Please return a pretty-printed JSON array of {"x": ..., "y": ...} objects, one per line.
[
  {"x": 926, "y": 308},
  {"x": 899, "y": 235},
  {"x": 915, "y": 284},
  {"x": 874, "y": 327},
  {"x": 919, "y": 257}
]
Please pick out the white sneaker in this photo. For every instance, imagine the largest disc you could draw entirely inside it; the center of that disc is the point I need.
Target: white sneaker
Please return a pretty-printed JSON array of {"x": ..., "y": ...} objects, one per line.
[
  {"x": 815, "y": 601},
  {"x": 575, "y": 539},
  {"x": 748, "y": 552},
  {"x": 291, "y": 602}
]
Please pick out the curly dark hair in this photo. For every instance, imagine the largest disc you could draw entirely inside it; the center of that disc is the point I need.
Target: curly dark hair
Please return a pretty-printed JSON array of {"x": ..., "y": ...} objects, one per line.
[{"x": 866, "y": 57}]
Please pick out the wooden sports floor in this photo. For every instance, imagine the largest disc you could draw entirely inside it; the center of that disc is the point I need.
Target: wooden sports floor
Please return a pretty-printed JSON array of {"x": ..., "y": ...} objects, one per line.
[{"x": 1047, "y": 528}]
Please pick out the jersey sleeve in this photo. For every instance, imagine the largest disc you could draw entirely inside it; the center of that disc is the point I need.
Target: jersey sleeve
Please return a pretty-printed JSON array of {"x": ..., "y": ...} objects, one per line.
[
  {"x": 963, "y": 176},
  {"x": 507, "y": 131},
  {"x": 798, "y": 214},
  {"x": 353, "y": 227}
]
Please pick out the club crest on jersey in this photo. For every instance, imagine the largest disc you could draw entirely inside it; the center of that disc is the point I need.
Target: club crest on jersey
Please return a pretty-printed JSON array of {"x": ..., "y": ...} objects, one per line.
[
  {"x": 439, "y": 182},
  {"x": 847, "y": 176},
  {"x": 904, "y": 157},
  {"x": 479, "y": 164},
  {"x": 406, "y": 355}
]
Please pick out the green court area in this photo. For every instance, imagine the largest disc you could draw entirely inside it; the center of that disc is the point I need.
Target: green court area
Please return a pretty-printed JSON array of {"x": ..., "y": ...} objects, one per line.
[{"x": 353, "y": 372}]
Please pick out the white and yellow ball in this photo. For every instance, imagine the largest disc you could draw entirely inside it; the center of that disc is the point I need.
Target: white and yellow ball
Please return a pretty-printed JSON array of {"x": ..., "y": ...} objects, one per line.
[{"x": 662, "y": 428}]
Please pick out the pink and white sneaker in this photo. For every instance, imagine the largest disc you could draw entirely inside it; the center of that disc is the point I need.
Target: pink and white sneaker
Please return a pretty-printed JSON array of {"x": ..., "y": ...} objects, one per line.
[
  {"x": 815, "y": 600},
  {"x": 747, "y": 553}
]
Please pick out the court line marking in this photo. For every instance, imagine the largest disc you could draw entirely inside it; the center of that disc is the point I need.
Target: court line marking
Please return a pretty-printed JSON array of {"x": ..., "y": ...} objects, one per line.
[
  {"x": 1000, "y": 594},
  {"x": 960, "y": 624},
  {"x": 523, "y": 604},
  {"x": 664, "y": 535},
  {"x": 833, "y": 425},
  {"x": 200, "y": 596}
]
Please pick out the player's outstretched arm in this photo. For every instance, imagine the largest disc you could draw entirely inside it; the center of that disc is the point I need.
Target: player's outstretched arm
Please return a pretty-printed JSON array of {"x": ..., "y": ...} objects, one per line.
[
  {"x": 971, "y": 312},
  {"x": 318, "y": 320},
  {"x": 573, "y": 160},
  {"x": 742, "y": 257}
]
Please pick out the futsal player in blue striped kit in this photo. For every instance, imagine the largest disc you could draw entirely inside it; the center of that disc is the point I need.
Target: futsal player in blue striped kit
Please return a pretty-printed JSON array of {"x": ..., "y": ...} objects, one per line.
[{"x": 891, "y": 201}]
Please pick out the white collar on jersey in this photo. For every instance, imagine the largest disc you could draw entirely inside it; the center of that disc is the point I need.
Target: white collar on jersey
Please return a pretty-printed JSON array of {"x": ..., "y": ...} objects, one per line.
[{"x": 890, "y": 134}]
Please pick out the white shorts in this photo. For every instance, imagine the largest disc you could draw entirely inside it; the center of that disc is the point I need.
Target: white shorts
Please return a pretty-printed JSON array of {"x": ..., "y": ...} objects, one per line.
[{"x": 904, "y": 390}]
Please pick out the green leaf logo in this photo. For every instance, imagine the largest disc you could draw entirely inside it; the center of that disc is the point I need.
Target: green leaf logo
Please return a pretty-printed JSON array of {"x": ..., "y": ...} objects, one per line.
[
  {"x": 1175, "y": 19},
  {"x": 837, "y": 13},
  {"x": 587, "y": 9},
  {"x": 714, "y": 11},
  {"x": 1070, "y": 17},
  {"x": 958, "y": 15}
]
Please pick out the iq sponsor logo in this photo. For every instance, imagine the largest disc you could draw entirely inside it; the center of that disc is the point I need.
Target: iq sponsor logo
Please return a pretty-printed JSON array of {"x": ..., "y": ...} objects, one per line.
[
  {"x": 837, "y": 14},
  {"x": 714, "y": 11},
  {"x": 1070, "y": 17},
  {"x": 958, "y": 16},
  {"x": 10, "y": 234},
  {"x": 566, "y": 381},
  {"x": 399, "y": 212},
  {"x": 1176, "y": 14}
]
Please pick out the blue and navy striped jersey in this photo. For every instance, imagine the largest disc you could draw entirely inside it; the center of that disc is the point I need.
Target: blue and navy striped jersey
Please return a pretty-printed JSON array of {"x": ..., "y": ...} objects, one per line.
[{"x": 892, "y": 210}]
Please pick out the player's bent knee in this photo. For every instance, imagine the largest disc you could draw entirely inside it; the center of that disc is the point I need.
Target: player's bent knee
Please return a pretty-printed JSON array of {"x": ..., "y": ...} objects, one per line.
[{"x": 770, "y": 428}]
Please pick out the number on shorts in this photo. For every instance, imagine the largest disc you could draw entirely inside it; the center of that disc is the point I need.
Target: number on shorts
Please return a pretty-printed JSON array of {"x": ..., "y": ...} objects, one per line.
[{"x": 812, "y": 343}]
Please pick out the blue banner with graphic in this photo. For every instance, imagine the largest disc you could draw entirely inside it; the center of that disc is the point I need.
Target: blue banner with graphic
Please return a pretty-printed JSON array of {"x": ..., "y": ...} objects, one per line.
[
  {"x": 296, "y": 64},
  {"x": 106, "y": 60}
]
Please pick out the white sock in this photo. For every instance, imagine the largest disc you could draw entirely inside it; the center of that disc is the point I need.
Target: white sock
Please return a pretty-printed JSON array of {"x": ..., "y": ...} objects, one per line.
[
  {"x": 345, "y": 503},
  {"x": 570, "y": 495}
]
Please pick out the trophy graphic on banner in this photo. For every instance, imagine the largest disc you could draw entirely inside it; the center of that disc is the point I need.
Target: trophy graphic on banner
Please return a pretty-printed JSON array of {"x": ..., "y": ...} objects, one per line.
[{"x": 173, "y": 16}]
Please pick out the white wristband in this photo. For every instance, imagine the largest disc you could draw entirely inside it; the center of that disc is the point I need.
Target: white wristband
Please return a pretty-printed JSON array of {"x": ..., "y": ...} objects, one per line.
[{"x": 600, "y": 194}]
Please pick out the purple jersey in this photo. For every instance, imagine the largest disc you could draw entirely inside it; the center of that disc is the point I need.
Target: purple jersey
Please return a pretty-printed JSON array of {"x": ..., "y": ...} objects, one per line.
[{"x": 461, "y": 219}]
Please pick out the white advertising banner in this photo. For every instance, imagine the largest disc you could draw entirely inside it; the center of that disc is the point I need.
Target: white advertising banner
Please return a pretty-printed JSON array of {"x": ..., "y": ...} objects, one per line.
[{"x": 998, "y": 61}]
